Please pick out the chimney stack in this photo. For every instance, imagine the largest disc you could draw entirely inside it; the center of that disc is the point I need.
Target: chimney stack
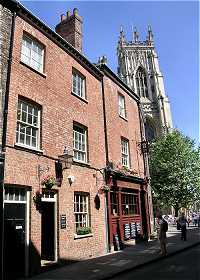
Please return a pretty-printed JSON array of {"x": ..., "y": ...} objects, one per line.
[{"x": 70, "y": 28}]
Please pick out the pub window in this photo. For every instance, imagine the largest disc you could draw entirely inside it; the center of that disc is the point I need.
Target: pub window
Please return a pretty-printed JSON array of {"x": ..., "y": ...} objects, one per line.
[{"x": 130, "y": 204}]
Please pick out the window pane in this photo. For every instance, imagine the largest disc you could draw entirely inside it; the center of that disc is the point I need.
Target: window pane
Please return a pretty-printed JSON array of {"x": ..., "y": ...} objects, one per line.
[
  {"x": 29, "y": 119},
  {"x": 24, "y": 116},
  {"x": 35, "y": 120},
  {"x": 28, "y": 130},
  {"x": 34, "y": 142},
  {"x": 24, "y": 107},
  {"x": 22, "y": 137},
  {"x": 28, "y": 140},
  {"x": 22, "y": 195},
  {"x": 22, "y": 128},
  {"x": 32, "y": 53}
]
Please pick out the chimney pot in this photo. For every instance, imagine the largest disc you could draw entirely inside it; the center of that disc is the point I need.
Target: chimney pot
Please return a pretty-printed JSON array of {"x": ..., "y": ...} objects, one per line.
[
  {"x": 62, "y": 17},
  {"x": 68, "y": 14},
  {"x": 75, "y": 11}
]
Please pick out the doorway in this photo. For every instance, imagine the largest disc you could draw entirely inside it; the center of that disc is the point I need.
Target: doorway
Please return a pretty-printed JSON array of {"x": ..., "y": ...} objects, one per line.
[
  {"x": 16, "y": 235},
  {"x": 48, "y": 228},
  {"x": 48, "y": 231}
]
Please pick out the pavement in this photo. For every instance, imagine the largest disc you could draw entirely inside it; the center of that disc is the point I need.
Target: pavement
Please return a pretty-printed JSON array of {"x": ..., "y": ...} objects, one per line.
[{"x": 132, "y": 257}]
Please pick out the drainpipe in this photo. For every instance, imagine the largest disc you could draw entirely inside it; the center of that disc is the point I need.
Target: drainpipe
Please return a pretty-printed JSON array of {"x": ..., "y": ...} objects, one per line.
[
  {"x": 142, "y": 133},
  {"x": 107, "y": 161},
  {"x": 2, "y": 152}
]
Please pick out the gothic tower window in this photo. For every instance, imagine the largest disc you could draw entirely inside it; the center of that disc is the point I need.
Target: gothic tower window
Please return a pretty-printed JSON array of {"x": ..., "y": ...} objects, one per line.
[{"x": 141, "y": 83}]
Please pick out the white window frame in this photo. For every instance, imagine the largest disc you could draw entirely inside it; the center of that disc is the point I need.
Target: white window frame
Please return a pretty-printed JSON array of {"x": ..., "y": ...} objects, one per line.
[
  {"x": 78, "y": 84},
  {"x": 82, "y": 214},
  {"x": 30, "y": 53},
  {"x": 122, "y": 105},
  {"x": 79, "y": 144},
  {"x": 125, "y": 152},
  {"x": 23, "y": 126}
]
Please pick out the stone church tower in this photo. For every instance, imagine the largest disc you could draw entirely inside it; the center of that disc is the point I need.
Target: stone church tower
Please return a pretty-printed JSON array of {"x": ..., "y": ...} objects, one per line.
[{"x": 138, "y": 67}]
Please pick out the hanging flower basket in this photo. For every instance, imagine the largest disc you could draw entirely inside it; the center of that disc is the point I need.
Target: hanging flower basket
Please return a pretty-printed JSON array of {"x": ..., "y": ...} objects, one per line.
[
  {"x": 49, "y": 181},
  {"x": 104, "y": 189}
]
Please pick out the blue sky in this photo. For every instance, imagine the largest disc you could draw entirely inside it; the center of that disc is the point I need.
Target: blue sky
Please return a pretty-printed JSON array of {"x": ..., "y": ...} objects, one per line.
[{"x": 175, "y": 26}]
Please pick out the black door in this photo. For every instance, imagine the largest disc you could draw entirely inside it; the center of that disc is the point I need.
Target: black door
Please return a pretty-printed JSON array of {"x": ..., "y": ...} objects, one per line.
[
  {"x": 14, "y": 240},
  {"x": 48, "y": 231}
]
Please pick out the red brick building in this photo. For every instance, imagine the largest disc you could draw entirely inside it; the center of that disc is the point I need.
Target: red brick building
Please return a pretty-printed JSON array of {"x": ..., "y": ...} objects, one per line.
[
  {"x": 56, "y": 100},
  {"x": 126, "y": 170}
]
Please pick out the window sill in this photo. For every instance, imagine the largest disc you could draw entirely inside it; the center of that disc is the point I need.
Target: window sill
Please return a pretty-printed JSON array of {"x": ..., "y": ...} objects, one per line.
[
  {"x": 76, "y": 162},
  {"x": 27, "y": 148},
  {"x": 125, "y": 119},
  {"x": 79, "y": 97},
  {"x": 33, "y": 69},
  {"x": 76, "y": 236}
]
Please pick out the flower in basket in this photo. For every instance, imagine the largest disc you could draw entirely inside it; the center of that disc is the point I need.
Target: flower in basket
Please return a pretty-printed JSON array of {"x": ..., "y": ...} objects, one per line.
[
  {"x": 104, "y": 189},
  {"x": 48, "y": 181}
]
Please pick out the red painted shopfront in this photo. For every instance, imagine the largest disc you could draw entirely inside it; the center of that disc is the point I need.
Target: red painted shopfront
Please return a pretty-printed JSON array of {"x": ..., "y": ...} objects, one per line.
[{"x": 127, "y": 209}]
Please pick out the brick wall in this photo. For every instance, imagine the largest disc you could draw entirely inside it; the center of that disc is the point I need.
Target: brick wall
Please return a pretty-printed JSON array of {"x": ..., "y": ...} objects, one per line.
[
  {"x": 5, "y": 30},
  {"x": 52, "y": 91},
  {"x": 118, "y": 127}
]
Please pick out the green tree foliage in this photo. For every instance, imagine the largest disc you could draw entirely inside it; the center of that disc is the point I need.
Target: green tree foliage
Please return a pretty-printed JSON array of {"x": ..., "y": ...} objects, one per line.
[{"x": 175, "y": 170}]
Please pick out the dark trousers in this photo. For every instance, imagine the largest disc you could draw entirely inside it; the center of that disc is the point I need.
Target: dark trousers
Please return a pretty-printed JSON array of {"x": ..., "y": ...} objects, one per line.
[{"x": 183, "y": 233}]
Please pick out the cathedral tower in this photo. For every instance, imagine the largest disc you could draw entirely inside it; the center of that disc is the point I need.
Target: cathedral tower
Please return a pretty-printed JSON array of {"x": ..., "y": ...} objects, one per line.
[{"x": 138, "y": 67}]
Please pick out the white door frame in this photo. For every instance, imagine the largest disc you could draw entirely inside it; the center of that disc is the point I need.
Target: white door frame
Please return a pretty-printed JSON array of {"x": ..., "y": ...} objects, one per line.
[
  {"x": 27, "y": 220},
  {"x": 53, "y": 200}
]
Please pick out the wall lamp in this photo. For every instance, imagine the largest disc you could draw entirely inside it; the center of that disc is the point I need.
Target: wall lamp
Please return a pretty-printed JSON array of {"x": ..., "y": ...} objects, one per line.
[
  {"x": 66, "y": 159},
  {"x": 144, "y": 145}
]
